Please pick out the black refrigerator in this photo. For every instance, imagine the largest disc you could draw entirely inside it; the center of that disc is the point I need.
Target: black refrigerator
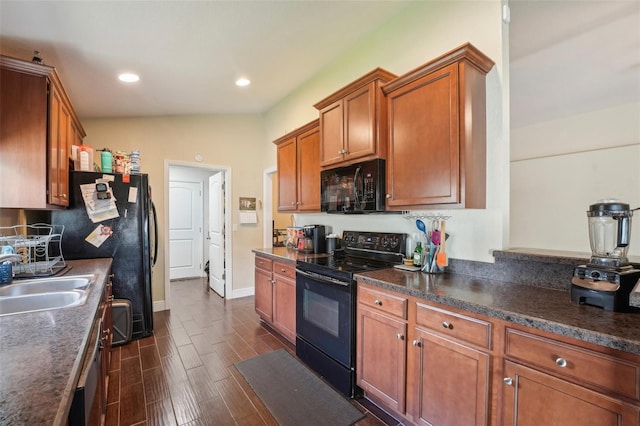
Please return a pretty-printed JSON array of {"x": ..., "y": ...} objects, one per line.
[{"x": 121, "y": 225}]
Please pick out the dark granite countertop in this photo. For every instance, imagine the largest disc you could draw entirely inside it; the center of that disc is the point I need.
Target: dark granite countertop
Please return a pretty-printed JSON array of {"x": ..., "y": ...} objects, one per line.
[
  {"x": 41, "y": 355},
  {"x": 506, "y": 293},
  {"x": 542, "y": 308},
  {"x": 284, "y": 253}
]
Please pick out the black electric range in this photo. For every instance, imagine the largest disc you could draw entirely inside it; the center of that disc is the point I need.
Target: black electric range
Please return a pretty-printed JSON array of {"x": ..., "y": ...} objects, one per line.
[{"x": 326, "y": 303}]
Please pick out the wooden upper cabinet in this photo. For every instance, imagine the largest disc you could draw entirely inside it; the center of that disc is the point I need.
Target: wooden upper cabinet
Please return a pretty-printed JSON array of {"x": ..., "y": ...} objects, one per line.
[
  {"x": 437, "y": 133},
  {"x": 39, "y": 125},
  {"x": 353, "y": 121},
  {"x": 287, "y": 175},
  {"x": 299, "y": 169},
  {"x": 308, "y": 153}
]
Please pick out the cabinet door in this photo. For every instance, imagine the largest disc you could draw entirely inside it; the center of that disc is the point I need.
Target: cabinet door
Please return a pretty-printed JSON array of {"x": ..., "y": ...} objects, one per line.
[
  {"x": 59, "y": 122},
  {"x": 424, "y": 155},
  {"x": 332, "y": 134},
  {"x": 360, "y": 123},
  {"x": 287, "y": 164},
  {"x": 264, "y": 294},
  {"x": 381, "y": 358},
  {"x": 308, "y": 153},
  {"x": 284, "y": 306},
  {"x": 534, "y": 398},
  {"x": 23, "y": 136},
  {"x": 449, "y": 384}
]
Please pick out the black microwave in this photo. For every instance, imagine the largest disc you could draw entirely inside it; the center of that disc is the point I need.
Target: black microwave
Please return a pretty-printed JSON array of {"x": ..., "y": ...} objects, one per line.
[{"x": 357, "y": 188}]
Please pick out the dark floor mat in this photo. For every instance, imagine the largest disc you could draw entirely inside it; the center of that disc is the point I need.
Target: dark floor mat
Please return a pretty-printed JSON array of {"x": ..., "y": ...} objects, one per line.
[{"x": 294, "y": 394}]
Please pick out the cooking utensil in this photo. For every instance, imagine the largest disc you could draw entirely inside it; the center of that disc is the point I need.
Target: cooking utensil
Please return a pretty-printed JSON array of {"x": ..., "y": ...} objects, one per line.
[
  {"x": 441, "y": 258},
  {"x": 435, "y": 237},
  {"x": 421, "y": 226}
]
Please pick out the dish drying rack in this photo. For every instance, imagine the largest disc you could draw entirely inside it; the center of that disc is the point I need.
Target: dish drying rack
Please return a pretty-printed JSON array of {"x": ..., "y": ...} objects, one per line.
[{"x": 39, "y": 245}]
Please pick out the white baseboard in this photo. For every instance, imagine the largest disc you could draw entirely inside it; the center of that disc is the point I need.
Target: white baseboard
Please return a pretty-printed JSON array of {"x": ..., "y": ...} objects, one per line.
[
  {"x": 241, "y": 292},
  {"x": 158, "y": 306}
]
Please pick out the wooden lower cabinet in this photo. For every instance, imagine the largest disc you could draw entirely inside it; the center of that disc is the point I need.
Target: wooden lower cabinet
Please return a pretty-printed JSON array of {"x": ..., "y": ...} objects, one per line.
[
  {"x": 381, "y": 357},
  {"x": 431, "y": 364},
  {"x": 89, "y": 404},
  {"x": 275, "y": 294},
  {"x": 535, "y": 398},
  {"x": 284, "y": 304},
  {"x": 264, "y": 289},
  {"x": 448, "y": 382}
]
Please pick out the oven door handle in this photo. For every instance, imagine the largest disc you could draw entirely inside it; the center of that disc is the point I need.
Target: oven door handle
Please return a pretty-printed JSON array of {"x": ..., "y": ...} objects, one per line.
[{"x": 323, "y": 278}]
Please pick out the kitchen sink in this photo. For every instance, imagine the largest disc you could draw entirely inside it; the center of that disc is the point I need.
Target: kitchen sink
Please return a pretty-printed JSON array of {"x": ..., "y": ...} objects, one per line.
[
  {"x": 45, "y": 293},
  {"x": 47, "y": 285},
  {"x": 41, "y": 301}
]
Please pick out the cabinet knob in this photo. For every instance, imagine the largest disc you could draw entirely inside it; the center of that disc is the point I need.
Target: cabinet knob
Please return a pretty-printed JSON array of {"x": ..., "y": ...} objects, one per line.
[
  {"x": 508, "y": 381},
  {"x": 283, "y": 270},
  {"x": 561, "y": 362},
  {"x": 63, "y": 196},
  {"x": 298, "y": 203},
  {"x": 388, "y": 195},
  {"x": 293, "y": 203},
  {"x": 400, "y": 336},
  {"x": 378, "y": 302},
  {"x": 416, "y": 343},
  {"x": 448, "y": 325}
]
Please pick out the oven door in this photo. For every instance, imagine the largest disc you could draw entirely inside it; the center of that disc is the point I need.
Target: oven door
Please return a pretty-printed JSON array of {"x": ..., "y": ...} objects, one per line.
[{"x": 325, "y": 315}]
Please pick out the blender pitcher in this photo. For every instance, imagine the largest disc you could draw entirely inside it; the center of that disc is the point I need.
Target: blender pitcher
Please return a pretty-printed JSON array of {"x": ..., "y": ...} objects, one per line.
[{"x": 609, "y": 233}]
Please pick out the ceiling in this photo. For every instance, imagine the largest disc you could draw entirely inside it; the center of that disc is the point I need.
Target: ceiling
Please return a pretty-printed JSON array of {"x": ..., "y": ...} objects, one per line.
[
  {"x": 572, "y": 57},
  {"x": 189, "y": 53}
]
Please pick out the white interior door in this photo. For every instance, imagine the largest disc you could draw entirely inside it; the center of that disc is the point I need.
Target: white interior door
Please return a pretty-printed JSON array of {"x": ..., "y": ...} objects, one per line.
[
  {"x": 216, "y": 233},
  {"x": 185, "y": 229}
]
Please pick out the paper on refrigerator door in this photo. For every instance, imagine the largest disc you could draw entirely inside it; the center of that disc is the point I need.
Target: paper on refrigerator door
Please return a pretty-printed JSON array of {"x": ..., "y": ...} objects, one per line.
[
  {"x": 99, "y": 235},
  {"x": 98, "y": 210}
]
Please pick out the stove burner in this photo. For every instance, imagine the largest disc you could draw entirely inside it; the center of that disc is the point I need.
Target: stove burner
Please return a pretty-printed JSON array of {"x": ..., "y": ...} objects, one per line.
[{"x": 362, "y": 251}]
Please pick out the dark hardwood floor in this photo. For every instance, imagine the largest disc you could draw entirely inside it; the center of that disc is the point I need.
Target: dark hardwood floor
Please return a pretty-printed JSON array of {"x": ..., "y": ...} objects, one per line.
[{"x": 184, "y": 373}]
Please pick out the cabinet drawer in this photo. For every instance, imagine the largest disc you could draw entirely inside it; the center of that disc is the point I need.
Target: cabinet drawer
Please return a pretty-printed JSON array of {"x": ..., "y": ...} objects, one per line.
[
  {"x": 461, "y": 327},
  {"x": 264, "y": 263},
  {"x": 285, "y": 269},
  {"x": 383, "y": 302},
  {"x": 583, "y": 365}
]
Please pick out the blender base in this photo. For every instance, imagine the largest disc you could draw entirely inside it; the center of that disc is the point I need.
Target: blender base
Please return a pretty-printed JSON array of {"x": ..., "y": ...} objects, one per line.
[{"x": 604, "y": 288}]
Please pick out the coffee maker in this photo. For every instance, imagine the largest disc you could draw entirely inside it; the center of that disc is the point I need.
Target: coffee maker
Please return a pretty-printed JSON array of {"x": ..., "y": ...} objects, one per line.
[
  {"x": 311, "y": 239},
  {"x": 608, "y": 279}
]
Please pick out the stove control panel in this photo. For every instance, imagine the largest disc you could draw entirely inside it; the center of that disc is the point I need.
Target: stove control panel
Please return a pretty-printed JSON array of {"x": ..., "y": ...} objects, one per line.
[{"x": 374, "y": 241}]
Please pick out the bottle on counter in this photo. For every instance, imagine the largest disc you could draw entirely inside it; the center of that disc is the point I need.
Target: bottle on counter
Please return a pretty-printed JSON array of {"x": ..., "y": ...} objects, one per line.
[{"x": 417, "y": 254}]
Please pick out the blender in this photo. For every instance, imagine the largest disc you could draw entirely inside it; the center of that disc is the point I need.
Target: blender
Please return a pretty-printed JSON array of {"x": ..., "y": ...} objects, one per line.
[{"x": 608, "y": 279}]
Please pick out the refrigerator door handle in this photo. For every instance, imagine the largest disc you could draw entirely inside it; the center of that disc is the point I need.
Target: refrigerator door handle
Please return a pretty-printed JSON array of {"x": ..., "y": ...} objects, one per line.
[{"x": 155, "y": 234}]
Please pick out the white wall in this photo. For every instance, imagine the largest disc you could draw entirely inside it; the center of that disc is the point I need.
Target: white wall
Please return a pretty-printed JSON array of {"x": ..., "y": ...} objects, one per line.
[
  {"x": 562, "y": 166},
  {"x": 420, "y": 33},
  {"x": 576, "y": 130},
  {"x": 234, "y": 141}
]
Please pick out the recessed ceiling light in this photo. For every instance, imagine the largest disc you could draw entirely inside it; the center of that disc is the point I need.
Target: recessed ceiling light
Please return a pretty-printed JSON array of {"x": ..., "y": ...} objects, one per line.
[
  {"x": 128, "y": 77},
  {"x": 241, "y": 82}
]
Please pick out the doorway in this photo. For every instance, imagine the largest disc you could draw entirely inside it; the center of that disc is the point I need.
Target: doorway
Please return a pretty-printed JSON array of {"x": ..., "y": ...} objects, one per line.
[
  {"x": 213, "y": 234},
  {"x": 186, "y": 212}
]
